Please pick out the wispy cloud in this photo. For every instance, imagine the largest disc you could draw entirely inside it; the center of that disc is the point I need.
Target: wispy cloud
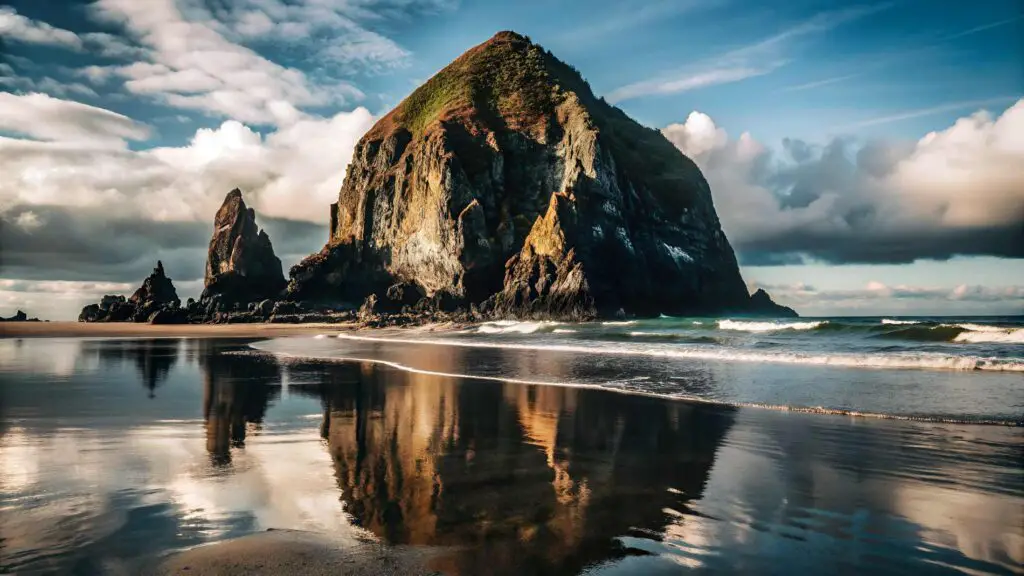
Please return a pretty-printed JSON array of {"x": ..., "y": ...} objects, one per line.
[
  {"x": 920, "y": 112},
  {"x": 756, "y": 59},
  {"x": 876, "y": 62},
  {"x": 983, "y": 27},
  {"x": 630, "y": 17},
  {"x": 818, "y": 83},
  {"x": 15, "y": 27},
  {"x": 694, "y": 81}
]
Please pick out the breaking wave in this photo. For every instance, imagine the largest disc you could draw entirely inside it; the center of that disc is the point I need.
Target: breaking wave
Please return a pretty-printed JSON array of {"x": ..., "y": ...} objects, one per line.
[
  {"x": 515, "y": 327},
  {"x": 1010, "y": 336},
  {"x": 745, "y": 326},
  {"x": 898, "y": 360},
  {"x": 623, "y": 387}
]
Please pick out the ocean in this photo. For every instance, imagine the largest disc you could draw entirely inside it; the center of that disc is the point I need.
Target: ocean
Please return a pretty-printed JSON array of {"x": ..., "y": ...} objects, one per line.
[
  {"x": 890, "y": 446},
  {"x": 926, "y": 368}
]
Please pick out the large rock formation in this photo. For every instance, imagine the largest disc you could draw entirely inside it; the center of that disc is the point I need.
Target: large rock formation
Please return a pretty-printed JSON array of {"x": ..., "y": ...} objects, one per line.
[
  {"x": 156, "y": 301},
  {"x": 241, "y": 266},
  {"x": 505, "y": 182}
]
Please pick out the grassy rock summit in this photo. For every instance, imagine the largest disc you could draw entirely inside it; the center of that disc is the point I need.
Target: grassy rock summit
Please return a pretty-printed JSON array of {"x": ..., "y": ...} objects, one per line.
[{"x": 503, "y": 183}]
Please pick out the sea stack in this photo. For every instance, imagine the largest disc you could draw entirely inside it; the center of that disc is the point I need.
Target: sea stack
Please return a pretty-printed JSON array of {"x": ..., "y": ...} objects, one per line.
[
  {"x": 504, "y": 183},
  {"x": 156, "y": 302},
  {"x": 241, "y": 266}
]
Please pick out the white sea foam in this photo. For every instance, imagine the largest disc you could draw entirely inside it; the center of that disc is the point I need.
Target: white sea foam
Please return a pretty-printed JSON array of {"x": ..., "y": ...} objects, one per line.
[
  {"x": 619, "y": 323},
  {"x": 744, "y": 326},
  {"x": 513, "y": 327},
  {"x": 564, "y": 331},
  {"x": 978, "y": 327},
  {"x": 1002, "y": 336},
  {"x": 899, "y": 322},
  {"x": 917, "y": 360}
]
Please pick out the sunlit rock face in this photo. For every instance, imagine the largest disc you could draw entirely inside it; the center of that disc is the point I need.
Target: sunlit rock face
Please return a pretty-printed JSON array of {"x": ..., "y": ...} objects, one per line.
[
  {"x": 241, "y": 266},
  {"x": 504, "y": 182}
]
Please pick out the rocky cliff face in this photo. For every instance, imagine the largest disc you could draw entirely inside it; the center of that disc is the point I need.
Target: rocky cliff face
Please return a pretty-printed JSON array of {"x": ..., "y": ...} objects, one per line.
[
  {"x": 241, "y": 266},
  {"x": 504, "y": 182}
]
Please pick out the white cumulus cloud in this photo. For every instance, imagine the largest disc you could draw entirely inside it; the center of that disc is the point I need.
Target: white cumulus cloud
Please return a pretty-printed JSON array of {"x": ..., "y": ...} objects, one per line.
[
  {"x": 48, "y": 118},
  {"x": 294, "y": 172},
  {"x": 955, "y": 191}
]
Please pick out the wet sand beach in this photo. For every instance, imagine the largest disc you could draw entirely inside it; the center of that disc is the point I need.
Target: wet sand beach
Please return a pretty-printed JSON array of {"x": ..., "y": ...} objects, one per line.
[
  {"x": 130, "y": 329},
  {"x": 118, "y": 452}
]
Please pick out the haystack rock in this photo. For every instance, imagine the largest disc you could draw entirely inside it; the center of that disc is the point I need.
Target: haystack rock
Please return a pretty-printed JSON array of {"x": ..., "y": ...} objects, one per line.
[
  {"x": 504, "y": 182},
  {"x": 241, "y": 266}
]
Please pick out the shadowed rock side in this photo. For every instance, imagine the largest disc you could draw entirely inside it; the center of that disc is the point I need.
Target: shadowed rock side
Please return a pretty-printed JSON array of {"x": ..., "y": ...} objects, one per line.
[
  {"x": 762, "y": 304},
  {"x": 19, "y": 316},
  {"x": 504, "y": 182},
  {"x": 241, "y": 266},
  {"x": 156, "y": 301}
]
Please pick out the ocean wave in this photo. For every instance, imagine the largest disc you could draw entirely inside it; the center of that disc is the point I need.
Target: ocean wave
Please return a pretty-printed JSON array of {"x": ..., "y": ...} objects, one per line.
[
  {"x": 616, "y": 387},
  {"x": 619, "y": 323},
  {"x": 563, "y": 331},
  {"x": 515, "y": 327},
  {"x": 666, "y": 336},
  {"x": 919, "y": 360},
  {"x": 744, "y": 326},
  {"x": 1006, "y": 336},
  {"x": 900, "y": 322}
]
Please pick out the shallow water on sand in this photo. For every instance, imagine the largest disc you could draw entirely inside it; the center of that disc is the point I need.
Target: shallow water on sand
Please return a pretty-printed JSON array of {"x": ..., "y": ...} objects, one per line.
[{"x": 115, "y": 451}]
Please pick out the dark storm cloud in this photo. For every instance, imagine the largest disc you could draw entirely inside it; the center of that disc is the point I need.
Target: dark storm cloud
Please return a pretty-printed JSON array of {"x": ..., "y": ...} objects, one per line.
[{"x": 87, "y": 244}]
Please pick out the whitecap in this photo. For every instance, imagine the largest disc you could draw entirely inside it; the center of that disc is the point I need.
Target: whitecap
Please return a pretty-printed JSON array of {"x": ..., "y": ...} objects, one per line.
[
  {"x": 739, "y": 325},
  {"x": 1010, "y": 336},
  {"x": 513, "y": 327},
  {"x": 917, "y": 360},
  {"x": 978, "y": 327},
  {"x": 899, "y": 322}
]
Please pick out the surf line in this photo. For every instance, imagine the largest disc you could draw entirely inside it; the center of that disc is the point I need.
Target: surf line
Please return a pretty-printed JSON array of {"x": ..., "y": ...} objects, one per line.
[
  {"x": 816, "y": 410},
  {"x": 948, "y": 363}
]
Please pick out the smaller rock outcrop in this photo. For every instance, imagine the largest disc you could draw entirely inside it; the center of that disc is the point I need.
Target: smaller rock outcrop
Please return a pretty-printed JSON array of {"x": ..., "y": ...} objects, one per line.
[
  {"x": 156, "y": 301},
  {"x": 241, "y": 267},
  {"x": 761, "y": 304},
  {"x": 20, "y": 316}
]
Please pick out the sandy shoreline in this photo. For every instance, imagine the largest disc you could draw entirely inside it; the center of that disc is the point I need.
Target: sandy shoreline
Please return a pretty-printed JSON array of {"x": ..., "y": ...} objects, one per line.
[
  {"x": 293, "y": 552},
  {"x": 128, "y": 329}
]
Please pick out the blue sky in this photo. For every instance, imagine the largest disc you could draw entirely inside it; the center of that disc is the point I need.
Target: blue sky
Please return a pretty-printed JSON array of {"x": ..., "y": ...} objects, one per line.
[{"x": 814, "y": 112}]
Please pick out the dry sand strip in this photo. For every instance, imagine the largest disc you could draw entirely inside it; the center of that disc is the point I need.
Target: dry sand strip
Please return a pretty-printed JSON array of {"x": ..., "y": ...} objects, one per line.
[
  {"x": 129, "y": 329},
  {"x": 282, "y": 552}
]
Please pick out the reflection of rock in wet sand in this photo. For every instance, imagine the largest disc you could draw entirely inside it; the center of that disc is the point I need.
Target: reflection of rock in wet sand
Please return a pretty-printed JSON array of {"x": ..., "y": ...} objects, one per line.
[
  {"x": 520, "y": 477},
  {"x": 153, "y": 358},
  {"x": 236, "y": 392}
]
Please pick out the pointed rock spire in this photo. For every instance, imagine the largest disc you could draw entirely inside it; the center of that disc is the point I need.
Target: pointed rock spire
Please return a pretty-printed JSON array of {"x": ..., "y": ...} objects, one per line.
[{"x": 241, "y": 265}]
